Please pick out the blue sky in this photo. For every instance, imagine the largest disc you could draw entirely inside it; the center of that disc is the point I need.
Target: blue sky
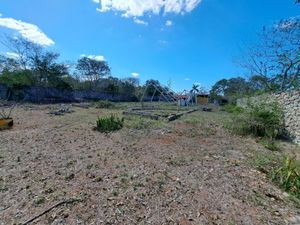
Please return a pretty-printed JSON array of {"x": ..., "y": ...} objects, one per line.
[{"x": 189, "y": 42}]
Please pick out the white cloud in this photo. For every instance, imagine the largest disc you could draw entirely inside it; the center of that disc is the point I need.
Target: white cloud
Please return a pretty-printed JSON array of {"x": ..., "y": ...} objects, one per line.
[
  {"x": 0, "y": 14},
  {"x": 12, "y": 55},
  {"x": 187, "y": 79},
  {"x": 138, "y": 8},
  {"x": 169, "y": 23},
  {"x": 162, "y": 42},
  {"x": 135, "y": 74},
  {"x": 99, "y": 58},
  {"x": 141, "y": 22},
  {"x": 29, "y": 31}
]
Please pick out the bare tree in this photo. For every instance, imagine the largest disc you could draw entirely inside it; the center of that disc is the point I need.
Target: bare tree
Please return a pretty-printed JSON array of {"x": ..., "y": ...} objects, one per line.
[
  {"x": 23, "y": 50},
  {"x": 275, "y": 60}
]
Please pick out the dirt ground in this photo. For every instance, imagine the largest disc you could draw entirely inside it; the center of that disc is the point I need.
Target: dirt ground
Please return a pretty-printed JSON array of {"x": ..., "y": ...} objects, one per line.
[{"x": 190, "y": 171}]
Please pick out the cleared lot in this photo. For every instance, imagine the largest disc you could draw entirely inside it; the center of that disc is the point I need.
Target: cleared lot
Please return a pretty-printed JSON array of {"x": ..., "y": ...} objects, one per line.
[{"x": 190, "y": 171}]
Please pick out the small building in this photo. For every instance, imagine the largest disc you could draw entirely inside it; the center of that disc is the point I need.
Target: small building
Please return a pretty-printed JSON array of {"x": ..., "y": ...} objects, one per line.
[{"x": 202, "y": 99}]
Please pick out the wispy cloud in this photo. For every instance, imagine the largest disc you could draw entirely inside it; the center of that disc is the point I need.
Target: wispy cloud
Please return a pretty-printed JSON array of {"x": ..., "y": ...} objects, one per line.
[
  {"x": 162, "y": 42},
  {"x": 138, "y": 8},
  {"x": 169, "y": 23},
  {"x": 29, "y": 31},
  {"x": 135, "y": 74},
  {"x": 141, "y": 22},
  {"x": 187, "y": 79},
  {"x": 99, "y": 58}
]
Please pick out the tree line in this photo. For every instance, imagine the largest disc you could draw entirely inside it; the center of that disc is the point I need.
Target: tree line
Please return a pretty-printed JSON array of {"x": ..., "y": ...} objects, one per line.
[{"x": 28, "y": 64}]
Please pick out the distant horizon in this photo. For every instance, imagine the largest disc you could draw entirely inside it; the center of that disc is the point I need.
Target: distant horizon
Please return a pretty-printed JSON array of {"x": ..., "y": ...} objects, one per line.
[{"x": 182, "y": 44}]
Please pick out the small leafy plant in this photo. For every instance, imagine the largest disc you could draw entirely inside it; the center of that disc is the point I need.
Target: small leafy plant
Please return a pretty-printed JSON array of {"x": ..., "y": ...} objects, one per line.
[{"x": 109, "y": 124}]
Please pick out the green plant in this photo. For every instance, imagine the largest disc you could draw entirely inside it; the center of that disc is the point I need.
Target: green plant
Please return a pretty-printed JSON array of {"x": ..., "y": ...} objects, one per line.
[
  {"x": 104, "y": 104},
  {"x": 283, "y": 171},
  {"x": 287, "y": 176},
  {"x": 109, "y": 124},
  {"x": 263, "y": 119},
  {"x": 140, "y": 123},
  {"x": 230, "y": 108},
  {"x": 270, "y": 144}
]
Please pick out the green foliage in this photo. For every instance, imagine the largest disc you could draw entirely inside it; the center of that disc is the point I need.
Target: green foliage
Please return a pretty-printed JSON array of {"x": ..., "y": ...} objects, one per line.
[
  {"x": 141, "y": 123},
  {"x": 18, "y": 78},
  {"x": 109, "y": 124},
  {"x": 104, "y": 104},
  {"x": 232, "y": 89},
  {"x": 231, "y": 108},
  {"x": 283, "y": 171},
  {"x": 264, "y": 119},
  {"x": 287, "y": 176},
  {"x": 269, "y": 144}
]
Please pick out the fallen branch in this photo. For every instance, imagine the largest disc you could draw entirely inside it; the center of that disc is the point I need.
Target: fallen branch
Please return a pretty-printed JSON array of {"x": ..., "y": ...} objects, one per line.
[{"x": 70, "y": 201}]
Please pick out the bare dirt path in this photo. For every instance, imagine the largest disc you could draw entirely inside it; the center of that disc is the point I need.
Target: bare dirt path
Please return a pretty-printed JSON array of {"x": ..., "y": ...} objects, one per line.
[{"x": 191, "y": 171}]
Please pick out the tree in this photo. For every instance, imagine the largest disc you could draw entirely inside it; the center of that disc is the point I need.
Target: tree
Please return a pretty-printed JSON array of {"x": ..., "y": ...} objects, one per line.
[
  {"x": 32, "y": 64},
  {"x": 275, "y": 60},
  {"x": 152, "y": 87},
  {"x": 47, "y": 70},
  {"x": 93, "y": 69},
  {"x": 195, "y": 89},
  {"x": 22, "y": 50},
  {"x": 232, "y": 88}
]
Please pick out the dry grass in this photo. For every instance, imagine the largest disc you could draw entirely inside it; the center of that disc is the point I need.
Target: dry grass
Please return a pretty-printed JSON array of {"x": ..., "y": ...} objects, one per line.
[{"x": 191, "y": 171}]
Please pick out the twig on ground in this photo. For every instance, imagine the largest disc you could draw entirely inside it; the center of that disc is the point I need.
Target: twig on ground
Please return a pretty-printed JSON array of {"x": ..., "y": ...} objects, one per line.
[{"x": 70, "y": 201}]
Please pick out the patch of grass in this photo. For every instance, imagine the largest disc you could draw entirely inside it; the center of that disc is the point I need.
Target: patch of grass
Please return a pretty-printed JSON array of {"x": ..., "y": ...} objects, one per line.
[
  {"x": 109, "y": 124},
  {"x": 104, "y": 104},
  {"x": 39, "y": 200},
  {"x": 287, "y": 176},
  {"x": 283, "y": 171},
  {"x": 264, "y": 119},
  {"x": 98, "y": 179},
  {"x": 141, "y": 123},
  {"x": 177, "y": 161},
  {"x": 230, "y": 108},
  {"x": 269, "y": 144},
  {"x": 115, "y": 193}
]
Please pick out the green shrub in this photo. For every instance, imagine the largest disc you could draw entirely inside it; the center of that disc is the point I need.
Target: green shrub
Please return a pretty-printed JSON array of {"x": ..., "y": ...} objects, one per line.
[
  {"x": 109, "y": 124},
  {"x": 230, "y": 108},
  {"x": 283, "y": 171},
  {"x": 263, "y": 119},
  {"x": 104, "y": 104},
  {"x": 288, "y": 176}
]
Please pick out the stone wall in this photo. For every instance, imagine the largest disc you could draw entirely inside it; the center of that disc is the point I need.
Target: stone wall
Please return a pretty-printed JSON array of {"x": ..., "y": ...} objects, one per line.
[
  {"x": 290, "y": 102},
  {"x": 52, "y": 95}
]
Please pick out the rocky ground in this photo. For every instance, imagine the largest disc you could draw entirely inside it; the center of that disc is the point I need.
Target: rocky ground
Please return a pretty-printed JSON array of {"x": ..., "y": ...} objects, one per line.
[{"x": 190, "y": 171}]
